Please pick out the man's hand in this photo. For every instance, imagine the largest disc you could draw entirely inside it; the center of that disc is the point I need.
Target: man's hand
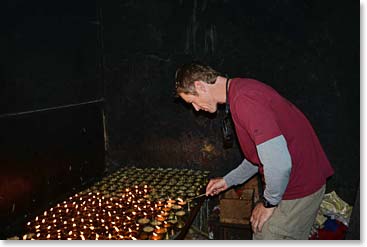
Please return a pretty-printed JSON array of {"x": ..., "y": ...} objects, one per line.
[
  {"x": 215, "y": 186},
  {"x": 259, "y": 216}
]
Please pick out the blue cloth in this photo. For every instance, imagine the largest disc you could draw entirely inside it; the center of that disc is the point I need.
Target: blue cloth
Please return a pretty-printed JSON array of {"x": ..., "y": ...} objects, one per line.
[{"x": 331, "y": 225}]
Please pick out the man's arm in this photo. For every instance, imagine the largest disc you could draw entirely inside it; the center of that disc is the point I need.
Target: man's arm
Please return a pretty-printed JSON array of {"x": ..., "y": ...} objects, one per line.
[
  {"x": 275, "y": 157},
  {"x": 237, "y": 176},
  {"x": 240, "y": 174}
]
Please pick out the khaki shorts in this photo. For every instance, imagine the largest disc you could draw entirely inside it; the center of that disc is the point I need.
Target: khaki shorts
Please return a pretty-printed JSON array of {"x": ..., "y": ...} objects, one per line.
[{"x": 292, "y": 219}]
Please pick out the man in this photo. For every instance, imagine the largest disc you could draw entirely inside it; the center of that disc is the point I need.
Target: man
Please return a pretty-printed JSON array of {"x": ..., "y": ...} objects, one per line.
[{"x": 277, "y": 141}]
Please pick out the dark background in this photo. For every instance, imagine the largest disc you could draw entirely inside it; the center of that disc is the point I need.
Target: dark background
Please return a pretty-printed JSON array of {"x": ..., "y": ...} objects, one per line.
[{"x": 125, "y": 53}]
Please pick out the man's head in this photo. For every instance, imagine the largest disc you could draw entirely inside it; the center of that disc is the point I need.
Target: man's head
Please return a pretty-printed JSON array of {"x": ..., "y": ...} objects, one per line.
[
  {"x": 187, "y": 74},
  {"x": 195, "y": 84}
]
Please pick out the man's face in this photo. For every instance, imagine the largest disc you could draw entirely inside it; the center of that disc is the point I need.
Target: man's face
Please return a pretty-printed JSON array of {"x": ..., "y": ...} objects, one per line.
[{"x": 202, "y": 101}]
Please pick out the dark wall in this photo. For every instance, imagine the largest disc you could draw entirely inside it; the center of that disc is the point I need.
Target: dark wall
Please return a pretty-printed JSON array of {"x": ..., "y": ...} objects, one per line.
[
  {"x": 307, "y": 50},
  {"x": 48, "y": 54}
]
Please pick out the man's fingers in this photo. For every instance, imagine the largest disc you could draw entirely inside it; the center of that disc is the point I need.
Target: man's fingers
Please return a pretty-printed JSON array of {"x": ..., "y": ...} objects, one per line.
[
  {"x": 215, "y": 186},
  {"x": 254, "y": 226},
  {"x": 260, "y": 226},
  {"x": 212, "y": 186},
  {"x": 209, "y": 188}
]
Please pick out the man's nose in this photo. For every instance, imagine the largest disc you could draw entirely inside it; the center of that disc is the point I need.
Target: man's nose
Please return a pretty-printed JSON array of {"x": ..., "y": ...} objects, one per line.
[{"x": 196, "y": 107}]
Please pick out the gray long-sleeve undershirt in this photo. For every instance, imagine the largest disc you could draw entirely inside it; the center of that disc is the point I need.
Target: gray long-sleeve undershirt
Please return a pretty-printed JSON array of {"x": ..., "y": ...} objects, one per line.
[{"x": 275, "y": 157}]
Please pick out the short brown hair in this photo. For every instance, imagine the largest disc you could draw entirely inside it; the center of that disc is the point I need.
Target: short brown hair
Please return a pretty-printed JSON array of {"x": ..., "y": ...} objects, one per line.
[{"x": 187, "y": 74}]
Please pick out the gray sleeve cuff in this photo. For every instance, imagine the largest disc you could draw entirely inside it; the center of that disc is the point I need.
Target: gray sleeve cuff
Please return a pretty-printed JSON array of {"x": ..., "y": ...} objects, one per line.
[{"x": 240, "y": 174}]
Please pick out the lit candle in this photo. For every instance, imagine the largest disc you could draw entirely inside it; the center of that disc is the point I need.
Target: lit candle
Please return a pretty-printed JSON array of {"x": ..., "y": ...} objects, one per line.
[
  {"x": 171, "y": 201},
  {"x": 155, "y": 236},
  {"x": 132, "y": 233},
  {"x": 181, "y": 202},
  {"x": 160, "y": 204},
  {"x": 160, "y": 230},
  {"x": 166, "y": 209},
  {"x": 164, "y": 214},
  {"x": 160, "y": 217},
  {"x": 167, "y": 224}
]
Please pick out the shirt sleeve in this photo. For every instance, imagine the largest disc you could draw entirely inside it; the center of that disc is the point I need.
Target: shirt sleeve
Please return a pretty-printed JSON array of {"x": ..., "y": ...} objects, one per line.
[
  {"x": 277, "y": 163},
  {"x": 257, "y": 117},
  {"x": 240, "y": 174}
]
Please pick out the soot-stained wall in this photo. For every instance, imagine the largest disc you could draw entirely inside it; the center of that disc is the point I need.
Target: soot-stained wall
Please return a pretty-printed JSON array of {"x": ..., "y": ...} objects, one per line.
[
  {"x": 48, "y": 54},
  {"x": 307, "y": 50}
]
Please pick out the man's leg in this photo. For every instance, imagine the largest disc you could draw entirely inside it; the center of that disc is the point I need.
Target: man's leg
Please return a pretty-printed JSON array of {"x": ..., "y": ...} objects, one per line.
[{"x": 292, "y": 219}]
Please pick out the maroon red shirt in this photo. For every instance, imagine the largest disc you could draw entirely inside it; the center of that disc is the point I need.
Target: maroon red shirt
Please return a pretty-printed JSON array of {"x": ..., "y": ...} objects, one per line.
[{"x": 259, "y": 114}]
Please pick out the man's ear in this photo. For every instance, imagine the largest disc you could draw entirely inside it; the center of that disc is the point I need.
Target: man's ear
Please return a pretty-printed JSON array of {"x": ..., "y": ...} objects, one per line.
[{"x": 200, "y": 86}]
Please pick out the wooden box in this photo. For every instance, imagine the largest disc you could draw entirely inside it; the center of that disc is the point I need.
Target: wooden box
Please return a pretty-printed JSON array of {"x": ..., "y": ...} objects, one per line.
[{"x": 236, "y": 206}]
